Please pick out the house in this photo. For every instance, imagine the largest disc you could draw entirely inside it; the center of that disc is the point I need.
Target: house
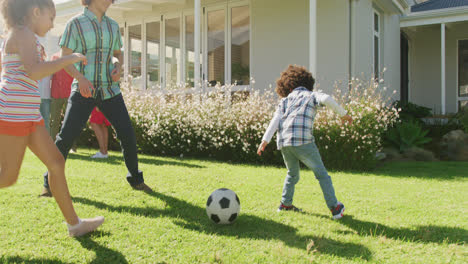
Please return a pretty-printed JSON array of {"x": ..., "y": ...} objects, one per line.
[
  {"x": 243, "y": 39},
  {"x": 174, "y": 44},
  {"x": 435, "y": 54}
]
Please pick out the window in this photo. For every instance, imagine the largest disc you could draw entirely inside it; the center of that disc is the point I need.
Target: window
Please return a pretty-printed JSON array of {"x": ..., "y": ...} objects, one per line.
[
  {"x": 189, "y": 51},
  {"x": 135, "y": 54},
  {"x": 462, "y": 104},
  {"x": 463, "y": 72},
  {"x": 172, "y": 30},
  {"x": 376, "y": 45},
  {"x": 153, "y": 42},
  {"x": 169, "y": 44},
  {"x": 216, "y": 46},
  {"x": 240, "y": 45}
]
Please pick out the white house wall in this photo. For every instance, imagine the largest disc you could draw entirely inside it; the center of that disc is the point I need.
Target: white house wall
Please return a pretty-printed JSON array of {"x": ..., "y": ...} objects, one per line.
[
  {"x": 333, "y": 44},
  {"x": 425, "y": 71},
  {"x": 280, "y": 36},
  {"x": 362, "y": 44},
  {"x": 362, "y": 38},
  {"x": 281, "y": 28},
  {"x": 391, "y": 55},
  {"x": 425, "y": 64}
]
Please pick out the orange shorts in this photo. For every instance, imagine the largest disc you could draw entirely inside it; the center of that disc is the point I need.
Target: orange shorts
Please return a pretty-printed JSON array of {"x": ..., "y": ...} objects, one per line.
[
  {"x": 19, "y": 129},
  {"x": 98, "y": 117}
]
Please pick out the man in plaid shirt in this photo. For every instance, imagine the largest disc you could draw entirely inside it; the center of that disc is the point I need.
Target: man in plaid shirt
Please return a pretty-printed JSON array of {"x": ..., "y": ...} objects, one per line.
[
  {"x": 294, "y": 120},
  {"x": 97, "y": 36}
]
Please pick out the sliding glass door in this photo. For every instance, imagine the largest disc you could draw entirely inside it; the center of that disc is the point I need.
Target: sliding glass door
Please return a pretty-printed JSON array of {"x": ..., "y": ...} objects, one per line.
[
  {"x": 240, "y": 45},
  {"x": 215, "y": 32},
  {"x": 161, "y": 50},
  {"x": 172, "y": 52},
  {"x": 153, "y": 44},
  {"x": 135, "y": 51}
]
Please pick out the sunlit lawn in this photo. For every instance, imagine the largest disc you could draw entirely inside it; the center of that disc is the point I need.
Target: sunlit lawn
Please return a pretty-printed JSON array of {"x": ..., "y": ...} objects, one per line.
[{"x": 401, "y": 213}]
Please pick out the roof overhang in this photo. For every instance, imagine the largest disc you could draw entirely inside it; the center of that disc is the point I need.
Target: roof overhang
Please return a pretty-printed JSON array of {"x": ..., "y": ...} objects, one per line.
[
  {"x": 402, "y": 5},
  {"x": 447, "y": 15},
  {"x": 394, "y": 6}
]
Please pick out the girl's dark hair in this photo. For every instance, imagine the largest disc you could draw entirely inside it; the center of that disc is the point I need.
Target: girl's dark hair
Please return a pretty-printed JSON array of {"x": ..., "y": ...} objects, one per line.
[
  {"x": 294, "y": 76},
  {"x": 15, "y": 12}
]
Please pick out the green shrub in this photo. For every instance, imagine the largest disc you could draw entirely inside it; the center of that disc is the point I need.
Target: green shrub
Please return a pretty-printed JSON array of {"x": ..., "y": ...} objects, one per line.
[
  {"x": 406, "y": 135},
  {"x": 462, "y": 117},
  {"x": 439, "y": 128},
  {"x": 201, "y": 126},
  {"x": 410, "y": 111},
  {"x": 355, "y": 146}
]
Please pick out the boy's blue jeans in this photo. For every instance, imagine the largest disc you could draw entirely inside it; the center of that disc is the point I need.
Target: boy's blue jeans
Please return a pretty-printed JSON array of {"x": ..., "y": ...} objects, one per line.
[{"x": 310, "y": 156}]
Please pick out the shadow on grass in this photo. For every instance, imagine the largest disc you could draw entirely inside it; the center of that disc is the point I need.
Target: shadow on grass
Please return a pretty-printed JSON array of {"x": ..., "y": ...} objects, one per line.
[
  {"x": 168, "y": 162},
  {"x": 119, "y": 159},
  {"x": 194, "y": 218},
  {"x": 103, "y": 254},
  {"x": 428, "y": 170},
  {"x": 110, "y": 160},
  {"x": 425, "y": 234},
  {"x": 18, "y": 259}
]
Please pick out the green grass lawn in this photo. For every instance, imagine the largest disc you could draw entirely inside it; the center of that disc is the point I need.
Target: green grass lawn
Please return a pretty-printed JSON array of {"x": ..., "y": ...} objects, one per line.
[{"x": 400, "y": 213}]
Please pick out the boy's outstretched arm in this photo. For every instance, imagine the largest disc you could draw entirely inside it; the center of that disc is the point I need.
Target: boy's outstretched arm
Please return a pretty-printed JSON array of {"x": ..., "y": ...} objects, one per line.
[
  {"x": 328, "y": 101},
  {"x": 272, "y": 127}
]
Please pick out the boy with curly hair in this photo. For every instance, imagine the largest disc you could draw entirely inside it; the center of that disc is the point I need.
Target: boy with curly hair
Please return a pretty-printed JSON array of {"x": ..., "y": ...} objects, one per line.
[{"x": 294, "y": 120}]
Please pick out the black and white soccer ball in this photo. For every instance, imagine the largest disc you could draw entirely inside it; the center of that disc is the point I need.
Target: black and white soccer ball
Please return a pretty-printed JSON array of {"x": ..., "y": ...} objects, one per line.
[{"x": 223, "y": 206}]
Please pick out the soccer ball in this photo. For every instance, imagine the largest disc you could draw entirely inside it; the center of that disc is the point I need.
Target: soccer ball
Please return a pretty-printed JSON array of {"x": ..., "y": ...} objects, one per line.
[{"x": 223, "y": 206}]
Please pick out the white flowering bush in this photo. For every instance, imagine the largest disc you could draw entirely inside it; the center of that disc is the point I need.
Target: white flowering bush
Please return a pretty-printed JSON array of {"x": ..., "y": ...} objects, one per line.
[
  {"x": 354, "y": 146},
  {"x": 211, "y": 125},
  {"x": 226, "y": 127}
]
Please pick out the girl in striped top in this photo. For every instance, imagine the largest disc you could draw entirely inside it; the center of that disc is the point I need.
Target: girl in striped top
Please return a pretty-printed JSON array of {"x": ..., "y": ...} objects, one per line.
[{"x": 21, "y": 124}]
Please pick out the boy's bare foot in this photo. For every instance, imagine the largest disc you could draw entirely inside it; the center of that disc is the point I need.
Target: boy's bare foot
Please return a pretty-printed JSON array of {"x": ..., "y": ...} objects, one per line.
[{"x": 85, "y": 226}]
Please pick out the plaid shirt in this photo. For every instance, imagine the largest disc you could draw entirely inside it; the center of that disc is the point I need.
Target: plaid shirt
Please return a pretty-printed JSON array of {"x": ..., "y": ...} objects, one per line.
[
  {"x": 297, "y": 112},
  {"x": 294, "y": 118},
  {"x": 98, "y": 41}
]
